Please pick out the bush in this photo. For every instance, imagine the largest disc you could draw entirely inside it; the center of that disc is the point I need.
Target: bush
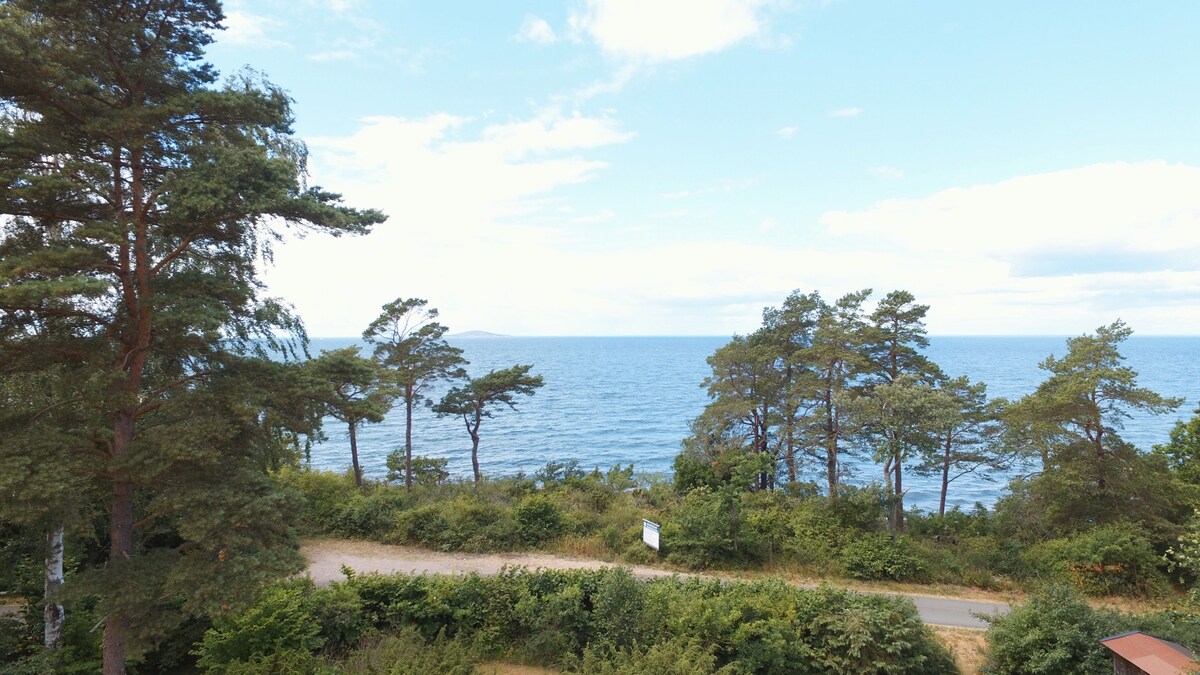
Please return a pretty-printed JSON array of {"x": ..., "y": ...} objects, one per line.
[
  {"x": 538, "y": 520},
  {"x": 589, "y": 621},
  {"x": 281, "y": 621},
  {"x": 860, "y": 509},
  {"x": 370, "y": 515},
  {"x": 406, "y": 653},
  {"x": 1054, "y": 633},
  {"x": 883, "y": 557},
  {"x": 291, "y": 661},
  {"x": 673, "y": 657},
  {"x": 430, "y": 471},
  {"x": 816, "y": 535},
  {"x": 338, "y": 611},
  {"x": 704, "y": 531},
  {"x": 465, "y": 523},
  {"x": 1106, "y": 560},
  {"x": 324, "y": 493}
]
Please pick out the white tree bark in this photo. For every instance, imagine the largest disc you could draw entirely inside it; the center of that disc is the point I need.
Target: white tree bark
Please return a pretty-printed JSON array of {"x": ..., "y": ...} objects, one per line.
[{"x": 54, "y": 613}]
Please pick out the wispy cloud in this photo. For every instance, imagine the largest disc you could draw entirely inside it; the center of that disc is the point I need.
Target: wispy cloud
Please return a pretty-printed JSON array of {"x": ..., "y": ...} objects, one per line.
[
  {"x": 725, "y": 185},
  {"x": 1119, "y": 207},
  {"x": 463, "y": 197},
  {"x": 332, "y": 55},
  {"x": 242, "y": 28},
  {"x": 666, "y": 29},
  {"x": 846, "y": 112},
  {"x": 535, "y": 29},
  {"x": 787, "y": 132}
]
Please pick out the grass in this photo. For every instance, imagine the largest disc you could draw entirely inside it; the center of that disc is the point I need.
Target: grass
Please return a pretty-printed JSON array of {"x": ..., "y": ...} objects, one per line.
[{"x": 967, "y": 645}]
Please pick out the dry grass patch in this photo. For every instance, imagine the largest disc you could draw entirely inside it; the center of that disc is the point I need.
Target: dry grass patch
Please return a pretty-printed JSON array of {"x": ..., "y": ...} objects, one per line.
[{"x": 967, "y": 645}]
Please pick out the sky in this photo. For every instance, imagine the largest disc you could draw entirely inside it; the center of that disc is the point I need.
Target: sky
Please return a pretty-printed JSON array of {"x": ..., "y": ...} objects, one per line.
[{"x": 672, "y": 167}]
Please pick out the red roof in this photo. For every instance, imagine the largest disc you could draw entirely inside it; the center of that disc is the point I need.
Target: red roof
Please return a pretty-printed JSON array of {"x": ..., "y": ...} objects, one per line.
[{"x": 1155, "y": 656}]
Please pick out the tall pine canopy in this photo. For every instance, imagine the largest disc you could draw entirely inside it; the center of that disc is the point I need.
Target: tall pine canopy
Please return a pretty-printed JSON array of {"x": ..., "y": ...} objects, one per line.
[{"x": 138, "y": 198}]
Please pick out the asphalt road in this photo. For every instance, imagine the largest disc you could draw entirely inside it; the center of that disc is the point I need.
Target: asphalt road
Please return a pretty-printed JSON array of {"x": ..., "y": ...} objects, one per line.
[{"x": 326, "y": 558}]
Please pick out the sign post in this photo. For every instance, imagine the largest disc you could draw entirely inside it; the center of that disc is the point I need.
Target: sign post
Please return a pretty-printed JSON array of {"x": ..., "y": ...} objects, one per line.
[{"x": 650, "y": 534}]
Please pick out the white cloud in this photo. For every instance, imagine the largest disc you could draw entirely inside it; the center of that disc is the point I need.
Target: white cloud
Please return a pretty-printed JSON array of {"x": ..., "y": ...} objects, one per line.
[
  {"x": 535, "y": 29},
  {"x": 846, "y": 112},
  {"x": 885, "y": 171},
  {"x": 787, "y": 132},
  {"x": 1059, "y": 252},
  {"x": 241, "y": 28},
  {"x": 459, "y": 198},
  {"x": 1118, "y": 207},
  {"x": 463, "y": 198},
  {"x": 666, "y": 29},
  {"x": 550, "y": 132}
]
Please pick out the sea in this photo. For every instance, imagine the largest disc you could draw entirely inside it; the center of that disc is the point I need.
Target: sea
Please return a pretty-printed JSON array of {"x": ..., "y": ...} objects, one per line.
[{"x": 629, "y": 400}]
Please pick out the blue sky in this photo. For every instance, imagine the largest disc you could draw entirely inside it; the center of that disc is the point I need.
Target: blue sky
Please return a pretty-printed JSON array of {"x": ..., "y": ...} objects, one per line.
[{"x": 625, "y": 167}]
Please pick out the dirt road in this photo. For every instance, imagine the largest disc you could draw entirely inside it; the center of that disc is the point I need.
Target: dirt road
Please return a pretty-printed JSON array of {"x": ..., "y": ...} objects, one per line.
[{"x": 327, "y": 556}]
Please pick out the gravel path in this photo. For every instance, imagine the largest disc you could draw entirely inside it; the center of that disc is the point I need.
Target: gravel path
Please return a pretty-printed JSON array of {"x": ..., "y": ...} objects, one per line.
[{"x": 327, "y": 556}]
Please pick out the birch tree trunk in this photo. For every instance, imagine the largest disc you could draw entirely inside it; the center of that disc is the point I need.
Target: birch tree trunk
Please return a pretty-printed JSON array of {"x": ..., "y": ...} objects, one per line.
[{"x": 53, "y": 612}]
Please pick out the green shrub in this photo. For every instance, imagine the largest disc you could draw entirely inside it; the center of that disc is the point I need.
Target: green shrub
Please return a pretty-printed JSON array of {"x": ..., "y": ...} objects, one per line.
[
  {"x": 1106, "y": 560},
  {"x": 816, "y": 535},
  {"x": 955, "y": 524},
  {"x": 860, "y": 509},
  {"x": 370, "y": 514},
  {"x": 538, "y": 520},
  {"x": 851, "y": 632},
  {"x": 619, "y": 609},
  {"x": 427, "y": 471},
  {"x": 691, "y": 471},
  {"x": 281, "y": 621},
  {"x": 881, "y": 556},
  {"x": 291, "y": 661},
  {"x": 1054, "y": 633},
  {"x": 407, "y": 653},
  {"x": 421, "y": 525},
  {"x": 704, "y": 531},
  {"x": 338, "y": 611},
  {"x": 589, "y": 621},
  {"x": 673, "y": 657},
  {"x": 465, "y": 523},
  {"x": 325, "y": 494}
]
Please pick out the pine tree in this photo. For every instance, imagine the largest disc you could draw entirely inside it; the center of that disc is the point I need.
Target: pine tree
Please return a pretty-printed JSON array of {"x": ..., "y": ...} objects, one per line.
[
  {"x": 475, "y": 401},
  {"x": 140, "y": 197},
  {"x": 410, "y": 347}
]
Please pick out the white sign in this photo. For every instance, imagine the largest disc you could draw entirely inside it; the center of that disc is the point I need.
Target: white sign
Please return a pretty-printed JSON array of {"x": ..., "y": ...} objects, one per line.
[{"x": 650, "y": 534}]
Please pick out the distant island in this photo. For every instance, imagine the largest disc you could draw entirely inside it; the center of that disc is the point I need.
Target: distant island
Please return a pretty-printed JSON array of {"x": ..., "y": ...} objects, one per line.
[{"x": 476, "y": 334}]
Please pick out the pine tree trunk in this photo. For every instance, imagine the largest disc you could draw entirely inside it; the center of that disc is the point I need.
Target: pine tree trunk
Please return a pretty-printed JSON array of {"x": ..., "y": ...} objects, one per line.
[
  {"x": 408, "y": 415},
  {"x": 898, "y": 504},
  {"x": 116, "y": 626},
  {"x": 53, "y": 612},
  {"x": 474, "y": 431},
  {"x": 831, "y": 446},
  {"x": 789, "y": 459},
  {"x": 945, "y": 478},
  {"x": 354, "y": 454},
  {"x": 475, "y": 457}
]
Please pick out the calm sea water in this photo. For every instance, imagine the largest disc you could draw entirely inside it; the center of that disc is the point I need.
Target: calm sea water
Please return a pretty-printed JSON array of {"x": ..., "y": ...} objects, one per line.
[{"x": 611, "y": 400}]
